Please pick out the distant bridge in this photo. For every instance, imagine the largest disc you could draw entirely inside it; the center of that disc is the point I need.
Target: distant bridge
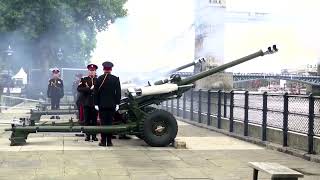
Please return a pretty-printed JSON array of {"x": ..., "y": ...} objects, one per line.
[
  {"x": 305, "y": 79},
  {"x": 243, "y": 77}
]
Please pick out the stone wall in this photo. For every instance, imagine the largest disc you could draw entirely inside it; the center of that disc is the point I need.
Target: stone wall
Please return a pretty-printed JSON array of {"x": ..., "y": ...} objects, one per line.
[
  {"x": 223, "y": 81},
  {"x": 295, "y": 140}
]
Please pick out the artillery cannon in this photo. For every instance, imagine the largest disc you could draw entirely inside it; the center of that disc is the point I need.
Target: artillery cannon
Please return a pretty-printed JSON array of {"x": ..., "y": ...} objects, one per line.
[
  {"x": 36, "y": 114},
  {"x": 156, "y": 127},
  {"x": 170, "y": 73},
  {"x": 43, "y": 105},
  {"x": 186, "y": 66},
  {"x": 174, "y": 76}
]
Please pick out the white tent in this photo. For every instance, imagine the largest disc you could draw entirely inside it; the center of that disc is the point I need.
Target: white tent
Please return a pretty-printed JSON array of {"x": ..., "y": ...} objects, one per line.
[{"x": 22, "y": 76}]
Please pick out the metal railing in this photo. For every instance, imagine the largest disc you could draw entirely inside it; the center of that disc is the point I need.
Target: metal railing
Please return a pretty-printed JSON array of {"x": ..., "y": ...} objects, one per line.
[
  {"x": 8, "y": 101},
  {"x": 295, "y": 113}
]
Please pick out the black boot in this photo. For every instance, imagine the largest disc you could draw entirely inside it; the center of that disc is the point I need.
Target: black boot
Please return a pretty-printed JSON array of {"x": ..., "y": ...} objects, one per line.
[
  {"x": 87, "y": 138},
  {"x": 52, "y": 117},
  {"x": 94, "y": 138},
  {"x": 109, "y": 141},
  {"x": 103, "y": 140}
]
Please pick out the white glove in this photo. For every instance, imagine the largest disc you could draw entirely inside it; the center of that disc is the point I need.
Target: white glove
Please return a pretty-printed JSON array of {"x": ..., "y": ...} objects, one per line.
[
  {"x": 92, "y": 87},
  {"x": 117, "y": 107},
  {"x": 96, "y": 107}
]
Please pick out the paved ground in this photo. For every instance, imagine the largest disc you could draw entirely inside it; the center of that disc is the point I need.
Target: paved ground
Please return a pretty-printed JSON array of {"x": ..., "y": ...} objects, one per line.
[{"x": 209, "y": 156}]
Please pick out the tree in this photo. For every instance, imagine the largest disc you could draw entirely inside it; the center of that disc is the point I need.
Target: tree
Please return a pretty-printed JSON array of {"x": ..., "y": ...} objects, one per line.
[{"x": 37, "y": 29}]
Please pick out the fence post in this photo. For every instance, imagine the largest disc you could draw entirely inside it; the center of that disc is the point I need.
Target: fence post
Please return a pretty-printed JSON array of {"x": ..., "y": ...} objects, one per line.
[
  {"x": 167, "y": 105},
  {"x": 219, "y": 110},
  {"x": 311, "y": 124},
  {"x": 225, "y": 104},
  {"x": 209, "y": 109},
  {"x": 285, "y": 119},
  {"x": 246, "y": 113},
  {"x": 178, "y": 107},
  {"x": 172, "y": 106},
  {"x": 1, "y": 100},
  {"x": 191, "y": 105},
  {"x": 199, "y": 106},
  {"x": 231, "y": 111},
  {"x": 184, "y": 106},
  {"x": 264, "y": 115}
]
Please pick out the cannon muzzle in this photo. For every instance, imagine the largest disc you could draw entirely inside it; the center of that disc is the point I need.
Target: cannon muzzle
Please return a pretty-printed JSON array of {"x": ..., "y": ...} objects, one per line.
[{"x": 209, "y": 72}]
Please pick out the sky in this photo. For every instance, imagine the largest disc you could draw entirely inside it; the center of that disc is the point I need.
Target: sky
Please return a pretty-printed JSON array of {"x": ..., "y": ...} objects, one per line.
[{"x": 160, "y": 34}]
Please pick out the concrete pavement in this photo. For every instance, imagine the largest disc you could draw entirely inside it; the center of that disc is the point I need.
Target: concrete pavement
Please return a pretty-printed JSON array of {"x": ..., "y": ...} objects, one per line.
[{"x": 209, "y": 155}]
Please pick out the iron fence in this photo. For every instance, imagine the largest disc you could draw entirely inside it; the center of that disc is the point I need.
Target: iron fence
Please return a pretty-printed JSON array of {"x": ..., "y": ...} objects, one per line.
[
  {"x": 9, "y": 101},
  {"x": 296, "y": 113}
]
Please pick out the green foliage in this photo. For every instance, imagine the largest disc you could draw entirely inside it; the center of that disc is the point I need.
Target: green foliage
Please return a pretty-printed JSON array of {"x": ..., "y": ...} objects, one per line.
[{"x": 38, "y": 28}]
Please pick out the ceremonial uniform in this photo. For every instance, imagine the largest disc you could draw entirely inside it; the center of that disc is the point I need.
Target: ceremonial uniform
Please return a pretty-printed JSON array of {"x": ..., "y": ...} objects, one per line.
[
  {"x": 107, "y": 98},
  {"x": 86, "y": 88},
  {"x": 55, "y": 90}
]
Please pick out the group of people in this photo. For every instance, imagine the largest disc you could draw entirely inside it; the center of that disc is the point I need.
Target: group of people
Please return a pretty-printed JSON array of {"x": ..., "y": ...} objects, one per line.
[{"x": 96, "y": 95}]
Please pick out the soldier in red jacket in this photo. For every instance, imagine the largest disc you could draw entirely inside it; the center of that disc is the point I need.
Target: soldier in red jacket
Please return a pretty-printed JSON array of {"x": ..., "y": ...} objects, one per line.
[{"x": 86, "y": 88}]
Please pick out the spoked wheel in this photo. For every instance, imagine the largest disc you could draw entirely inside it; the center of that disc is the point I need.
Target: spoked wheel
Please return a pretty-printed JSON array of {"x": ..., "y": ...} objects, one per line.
[{"x": 160, "y": 128}]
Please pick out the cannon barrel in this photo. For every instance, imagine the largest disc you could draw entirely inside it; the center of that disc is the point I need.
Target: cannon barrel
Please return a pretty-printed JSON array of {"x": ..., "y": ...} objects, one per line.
[
  {"x": 209, "y": 72},
  {"x": 171, "y": 72},
  {"x": 186, "y": 66}
]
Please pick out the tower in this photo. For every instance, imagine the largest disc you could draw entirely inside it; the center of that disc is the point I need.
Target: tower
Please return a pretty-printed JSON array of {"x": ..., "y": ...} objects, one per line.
[
  {"x": 210, "y": 19},
  {"x": 209, "y": 30},
  {"x": 209, "y": 42}
]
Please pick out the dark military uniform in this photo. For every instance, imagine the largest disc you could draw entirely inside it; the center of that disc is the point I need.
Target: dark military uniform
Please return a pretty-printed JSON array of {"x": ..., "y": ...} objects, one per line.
[
  {"x": 87, "y": 99},
  {"x": 107, "y": 97},
  {"x": 55, "y": 92}
]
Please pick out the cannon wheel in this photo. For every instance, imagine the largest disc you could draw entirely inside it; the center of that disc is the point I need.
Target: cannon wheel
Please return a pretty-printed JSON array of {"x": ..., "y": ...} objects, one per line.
[
  {"x": 139, "y": 136},
  {"x": 160, "y": 128},
  {"x": 148, "y": 110}
]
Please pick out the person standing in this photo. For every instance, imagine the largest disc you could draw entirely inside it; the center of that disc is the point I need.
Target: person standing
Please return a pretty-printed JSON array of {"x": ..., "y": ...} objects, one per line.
[
  {"x": 55, "y": 90},
  {"x": 86, "y": 88},
  {"x": 77, "y": 97},
  {"x": 107, "y": 95}
]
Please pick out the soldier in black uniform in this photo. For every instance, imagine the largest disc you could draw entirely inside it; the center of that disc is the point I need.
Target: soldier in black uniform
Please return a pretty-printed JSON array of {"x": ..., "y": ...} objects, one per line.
[
  {"x": 107, "y": 95},
  {"x": 86, "y": 88},
  {"x": 55, "y": 90}
]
